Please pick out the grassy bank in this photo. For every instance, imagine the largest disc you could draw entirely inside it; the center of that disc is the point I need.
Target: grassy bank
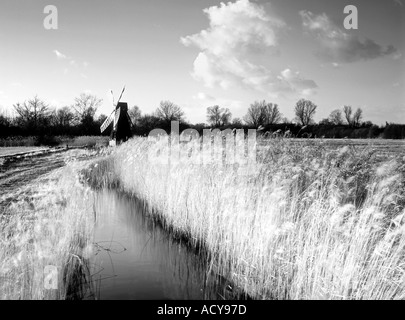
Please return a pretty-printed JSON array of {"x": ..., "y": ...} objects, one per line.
[
  {"x": 62, "y": 141},
  {"x": 49, "y": 223},
  {"x": 308, "y": 222}
]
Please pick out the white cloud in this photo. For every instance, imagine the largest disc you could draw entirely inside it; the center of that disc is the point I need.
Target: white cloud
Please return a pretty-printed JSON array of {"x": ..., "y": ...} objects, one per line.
[
  {"x": 70, "y": 62},
  {"x": 203, "y": 96},
  {"x": 290, "y": 81},
  {"x": 338, "y": 46},
  {"x": 59, "y": 55},
  {"x": 238, "y": 32}
]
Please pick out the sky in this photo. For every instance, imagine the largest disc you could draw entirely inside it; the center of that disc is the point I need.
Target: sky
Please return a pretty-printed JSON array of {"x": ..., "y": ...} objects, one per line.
[{"x": 199, "y": 53}]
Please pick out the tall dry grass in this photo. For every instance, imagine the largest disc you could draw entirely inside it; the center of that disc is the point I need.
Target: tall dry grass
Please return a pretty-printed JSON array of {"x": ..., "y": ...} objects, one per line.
[
  {"x": 307, "y": 223},
  {"x": 49, "y": 224}
]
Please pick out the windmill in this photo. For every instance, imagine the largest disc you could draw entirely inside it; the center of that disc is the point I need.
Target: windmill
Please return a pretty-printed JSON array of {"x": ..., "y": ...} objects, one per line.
[{"x": 121, "y": 130}]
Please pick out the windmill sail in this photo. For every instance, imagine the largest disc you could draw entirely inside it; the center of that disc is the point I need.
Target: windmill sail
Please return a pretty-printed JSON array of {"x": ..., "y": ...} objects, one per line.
[
  {"x": 117, "y": 116},
  {"x": 106, "y": 123}
]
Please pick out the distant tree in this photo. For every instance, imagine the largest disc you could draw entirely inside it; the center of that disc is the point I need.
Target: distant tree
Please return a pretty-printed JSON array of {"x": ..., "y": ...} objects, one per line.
[
  {"x": 147, "y": 123},
  {"x": 237, "y": 122},
  {"x": 63, "y": 117},
  {"x": 218, "y": 117},
  {"x": 305, "y": 111},
  {"x": 255, "y": 116},
  {"x": 336, "y": 117},
  {"x": 5, "y": 124},
  {"x": 326, "y": 122},
  {"x": 272, "y": 114},
  {"x": 348, "y": 114},
  {"x": 168, "y": 112},
  {"x": 368, "y": 124},
  {"x": 261, "y": 113},
  {"x": 32, "y": 114},
  {"x": 134, "y": 114},
  {"x": 4, "y": 120},
  {"x": 353, "y": 119},
  {"x": 357, "y": 117},
  {"x": 101, "y": 118},
  {"x": 85, "y": 108}
]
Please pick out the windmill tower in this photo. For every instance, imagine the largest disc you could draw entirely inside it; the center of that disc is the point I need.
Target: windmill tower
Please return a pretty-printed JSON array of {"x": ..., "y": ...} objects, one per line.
[{"x": 121, "y": 130}]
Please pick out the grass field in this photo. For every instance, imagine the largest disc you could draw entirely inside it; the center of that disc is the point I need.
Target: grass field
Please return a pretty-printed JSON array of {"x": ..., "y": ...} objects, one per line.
[
  {"x": 310, "y": 222},
  {"x": 314, "y": 219},
  {"x": 47, "y": 221}
]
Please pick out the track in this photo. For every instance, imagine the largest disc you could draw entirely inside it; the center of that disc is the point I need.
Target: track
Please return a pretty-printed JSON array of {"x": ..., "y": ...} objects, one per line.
[{"x": 16, "y": 174}]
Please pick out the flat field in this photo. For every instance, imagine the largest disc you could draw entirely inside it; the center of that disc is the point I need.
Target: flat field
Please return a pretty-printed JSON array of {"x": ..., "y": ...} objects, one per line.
[{"x": 316, "y": 219}]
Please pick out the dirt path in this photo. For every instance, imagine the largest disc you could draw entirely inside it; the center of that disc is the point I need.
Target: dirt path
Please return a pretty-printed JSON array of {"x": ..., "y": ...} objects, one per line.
[{"x": 15, "y": 175}]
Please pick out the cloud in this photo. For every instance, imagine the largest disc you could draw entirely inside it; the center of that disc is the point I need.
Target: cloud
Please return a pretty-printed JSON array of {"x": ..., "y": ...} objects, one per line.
[
  {"x": 203, "y": 97},
  {"x": 290, "y": 81},
  {"x": 59, "y": 55},
  {"x": 71, "y": 62},
  {"x": 238, "y": 33},
  {"x": 338, "y": 46}
]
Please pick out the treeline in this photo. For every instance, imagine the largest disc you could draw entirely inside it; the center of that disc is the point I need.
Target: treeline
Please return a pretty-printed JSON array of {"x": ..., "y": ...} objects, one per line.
[{"x": 37, "y": 118}]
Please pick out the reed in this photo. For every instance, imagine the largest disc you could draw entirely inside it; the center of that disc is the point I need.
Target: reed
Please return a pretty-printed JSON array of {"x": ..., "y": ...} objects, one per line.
[
  {"x": 308, "y": 222},
  {"x": 48, "y": 224}
]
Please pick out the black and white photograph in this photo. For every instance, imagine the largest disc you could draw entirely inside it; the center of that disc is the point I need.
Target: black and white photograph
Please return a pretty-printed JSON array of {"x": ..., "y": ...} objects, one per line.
[{"x": 224, "y": 152}]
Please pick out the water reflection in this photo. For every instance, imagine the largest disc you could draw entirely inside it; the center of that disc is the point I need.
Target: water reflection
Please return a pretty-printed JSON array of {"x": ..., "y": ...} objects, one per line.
[{"x": 135, "y": 259}]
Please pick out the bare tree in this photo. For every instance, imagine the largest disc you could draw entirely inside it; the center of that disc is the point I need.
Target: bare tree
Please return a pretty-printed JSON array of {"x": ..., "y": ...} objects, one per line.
[
  {"x": 271, "y": 113},
  {"x": 63, "y": 117},
  {"x": 85, "y": 107},
  {"x": 168, "y": 111},
  {"x": 348, "y": 114},
  {"x": 336, "y": 117},
  {"x": 218, "y": 117},
  {"x": 255, "y": 116},
  {"x": 261, "y": 113},
  {"x": 33, "y": 113},
  {"x": 357, "y": 117},
  {"x": 305, "y": 111},
  {"x": 134, "y": 114}
]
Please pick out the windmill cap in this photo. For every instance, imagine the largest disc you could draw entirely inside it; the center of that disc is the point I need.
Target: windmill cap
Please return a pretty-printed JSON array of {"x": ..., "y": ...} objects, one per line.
[{"x": 122, "y": 105}]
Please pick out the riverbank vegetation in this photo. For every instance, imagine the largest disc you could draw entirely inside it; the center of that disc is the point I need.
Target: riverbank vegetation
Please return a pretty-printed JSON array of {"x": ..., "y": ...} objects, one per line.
[
  {"x": 48, "y": 225},
  {"x": 308, "y": 222}
]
